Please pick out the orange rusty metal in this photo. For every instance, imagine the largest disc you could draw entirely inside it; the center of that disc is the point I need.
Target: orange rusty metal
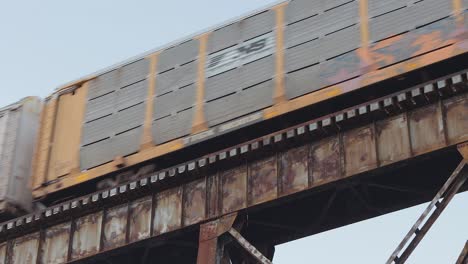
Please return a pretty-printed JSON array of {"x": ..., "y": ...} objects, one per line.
[
  {"x": 24, "y": 250},
  {"x": 360, "y": 150},
  {"x": 325, "y": 163},
  {"x": 87, "y": 236},
  {"x": 168, "y": 211},
  {"x": 55, "y": 245},
  {"x": 234, "y": 189},
  {"x": 140, "y": 219},
  {"x": 463, "y": 149},
  {"x": 426, "y": 129},
  {"x": 263, "y": 181},
  {"x": 115, "y": 227},
  {"x": 393, "y": 142},
  {"x": 293, "y": 170},
  {"x": 194, "y": 202},
  {"x": 456, "y": 110}
]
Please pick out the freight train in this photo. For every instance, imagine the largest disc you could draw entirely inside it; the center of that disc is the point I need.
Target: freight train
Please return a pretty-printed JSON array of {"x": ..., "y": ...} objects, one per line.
[{"x": 266, "y": 70}]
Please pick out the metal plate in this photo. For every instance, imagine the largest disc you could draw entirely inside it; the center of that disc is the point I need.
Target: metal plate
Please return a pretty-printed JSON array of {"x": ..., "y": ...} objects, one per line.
[
  {"x": 176, "y": 78},
  {"x": 234, "y": 189},
  {"x": 393, "y": 139},
  {"x": 86, "y": 238},
  {"x": 378, "y": 7},
  {"x": 213, "y": 197},
  {"x": 456, "y": 110},
  {"x": 194, "y": 202},
  {"x": 168, "y": 211},
  {"x": 172, "y": 127},
  {"x": 300, "y": 9},
  {"x": 126, "y": 143},
  {"x": 129, "y": 118},
  {"x": 25, "y": 250},
  {"x": 294, "y": 170},
  {"x": 131, "y": 95},
  {"x": 55, "y": 244},
  {"x": 100, "y": 106},
  {"x": 325, "y": 161},
  {"x": 98, "y": 129},
  {"x": 303, "y": 31},
  {"x": 178, "y": 55},
  {"x": 140, "y": 219},
  {"x": 263, "y": 181},
  {"x": 239, "y": 104},
  {"x": 239, "y": 78},
  {"x": 426, "y": 129},
  {"x": 173, "y": 102},
  {"x": 257, "y": 25},
  {"x": 360, "y": 150},
  {"x": 302, "y": 81},
  {"x": 115, "y": 227}
]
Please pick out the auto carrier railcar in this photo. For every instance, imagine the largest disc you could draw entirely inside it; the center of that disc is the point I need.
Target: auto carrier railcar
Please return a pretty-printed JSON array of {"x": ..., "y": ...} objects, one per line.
[
  {"x": 275, "y": 61},
  {"x": 19, "y": 124}
]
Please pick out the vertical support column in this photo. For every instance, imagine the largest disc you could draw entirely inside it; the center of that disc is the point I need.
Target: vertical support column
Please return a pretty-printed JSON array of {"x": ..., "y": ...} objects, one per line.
[
  {"x": 457, "y": 6},
  {"x": 209, "y": 247},
  {"x": 279, "y": 93},
  {"x": 199, "y": 122},
  {"x": 364, "y": 52},
  {"x": 147, "y": 139}
]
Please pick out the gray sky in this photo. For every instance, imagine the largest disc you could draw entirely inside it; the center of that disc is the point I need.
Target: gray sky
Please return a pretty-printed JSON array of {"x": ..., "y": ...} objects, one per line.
[{"x": 44, "y": 44}]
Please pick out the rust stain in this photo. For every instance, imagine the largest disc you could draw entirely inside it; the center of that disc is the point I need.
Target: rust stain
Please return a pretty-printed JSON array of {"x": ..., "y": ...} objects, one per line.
[
  {"x": 426, "y": 129},
  {"x": 360, "y": 151},
  {"x": 115, "y": 227},
  {"x": 140, "y": 219},
  {"x": 24, "y": 250},
  {"x": 87, "y": 236},
  {"x": 393, "y": 142},
  {"x": 294, "y": 171},
  {"x": 325, "y": 161},
  {"x": 263, "y": 180},
  {"x": 234, "y": 189},
  {"x": 195, "y": 202},
  {"x": 212, "y": 196},
  {"x": 168, "y": 211},
  {"x": 456, "y": 115},
  {"x": 3, "y": 253},
  {"x": 55, "y": 245}
]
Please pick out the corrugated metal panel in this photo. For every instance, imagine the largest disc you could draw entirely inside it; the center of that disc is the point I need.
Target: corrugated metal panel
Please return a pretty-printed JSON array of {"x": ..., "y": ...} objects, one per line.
[
  {"x": 302, "y": 56},
  {"x": 102, "y": 84},
  {"x": 257, "y": 25},
  {"x": 379, "y": 7},
  {"x": 172, "y": 127},
  {"x": 132, "y": 95},
  {"x": 408, "y": 18},
  {"x": 303, "y": 31},
  {"x": 340, "y": 17},
  {"x": 178, "y": 55},
  {"x": 300, "y": 9},
  {"x": 239, "y": 104},
  {"x": 18, "y": 130},
  {"x": 176, "y": 78},
  {"x": 96, "y": 154},
  {"x": 339, "y": 42},
  {"x": 303, "y": 81},
  {"x": 173, "y": 102},
  {"x": 129, "y": 118},
  {"x": 224, "y": 37},
  {"x": 98, "y": 129},
  {"x": 126, "y": 143},
  {"x": 100, "y": 106},
  {"x": 240, "y": 78}
]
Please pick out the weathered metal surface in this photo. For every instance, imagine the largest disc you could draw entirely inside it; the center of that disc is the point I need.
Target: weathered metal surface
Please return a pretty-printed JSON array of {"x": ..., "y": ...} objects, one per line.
[
  {"x": 115, "y": 227},
  {"x": 234, "y": 189},
  {"x": 393, "y": 142},
  {"x": 168, "y": 211},
  {"x": 54, "y": 248},
  {"x": 213, "y": 196},
  {"x": 293, "y": 170},
  {"x": 140, "y": 219},
  {"x": 25, "y": 250},
  {"x": 360, "y": 151},
  {"x": 325, "y": 161},
  {"x": 194, "y": 202},
  {"x": 263, "y": 181},
  {"x": 249, "y": 247},
  {"x": 87, "y": 236},
  {"x": 427, "y": 129},
  {"x": 3, "y": 250},
  {"x": 456, "y": 110}
]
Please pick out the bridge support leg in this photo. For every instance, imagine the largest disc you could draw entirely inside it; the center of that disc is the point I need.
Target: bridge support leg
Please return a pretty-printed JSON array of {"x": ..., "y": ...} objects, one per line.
[
  {"x": 463, "y": 259},
  {"x": 210, "y": 246}
]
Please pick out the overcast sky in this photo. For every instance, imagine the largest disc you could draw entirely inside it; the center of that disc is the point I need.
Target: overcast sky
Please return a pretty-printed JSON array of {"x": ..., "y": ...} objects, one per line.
[{"x": 44, "y": 44}]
